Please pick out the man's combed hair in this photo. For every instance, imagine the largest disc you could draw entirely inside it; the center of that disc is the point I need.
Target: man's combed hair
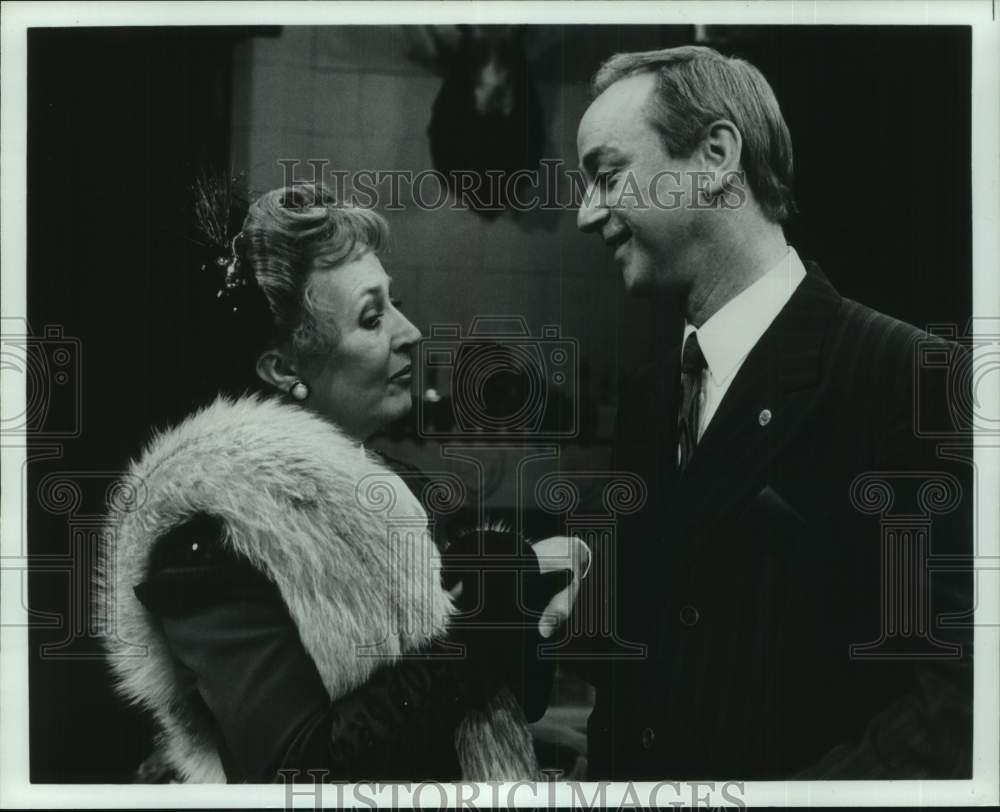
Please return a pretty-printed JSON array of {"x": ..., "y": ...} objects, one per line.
[
  {"x": 697, "y": 86},
  {"x": 288, "y": 234}
]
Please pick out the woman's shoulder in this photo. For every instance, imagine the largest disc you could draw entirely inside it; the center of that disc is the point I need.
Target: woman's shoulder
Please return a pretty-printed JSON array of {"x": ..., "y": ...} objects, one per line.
[
  {"x": 191, "y": 567},
  {"x": 252, "y": 462},
  {"x": 250, "y": 429}
]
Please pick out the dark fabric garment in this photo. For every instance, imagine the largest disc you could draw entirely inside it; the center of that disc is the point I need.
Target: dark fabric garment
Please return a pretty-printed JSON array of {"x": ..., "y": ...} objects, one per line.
[
  {"x": 244, "y": 666},
  {"x": 749, "y": 578},
  {"x": 491, "y": 599},
  {"x": 247, "y": 674}
]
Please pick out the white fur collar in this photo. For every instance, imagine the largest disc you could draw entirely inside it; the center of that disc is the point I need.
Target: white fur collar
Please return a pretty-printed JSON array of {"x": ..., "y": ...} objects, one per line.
[{"x": 343, "y": 538}]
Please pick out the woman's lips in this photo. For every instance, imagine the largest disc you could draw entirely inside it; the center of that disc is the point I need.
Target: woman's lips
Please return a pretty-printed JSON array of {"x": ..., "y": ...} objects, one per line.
[{"x": 403, "y": 377}]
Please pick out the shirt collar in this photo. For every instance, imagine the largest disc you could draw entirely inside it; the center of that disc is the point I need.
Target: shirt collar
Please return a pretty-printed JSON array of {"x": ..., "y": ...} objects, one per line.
[{"x": 729, "y": 335}]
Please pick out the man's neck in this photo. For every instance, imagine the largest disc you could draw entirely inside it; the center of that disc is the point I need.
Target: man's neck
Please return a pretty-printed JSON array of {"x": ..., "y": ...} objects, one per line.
[{"x": 730, "y": 265}]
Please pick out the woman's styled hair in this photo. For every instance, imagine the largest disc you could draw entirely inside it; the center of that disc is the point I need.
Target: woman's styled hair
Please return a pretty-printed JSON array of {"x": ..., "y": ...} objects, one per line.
[
  {"x": 696, "y": 86},
  {"x": 291, "y": 232}
]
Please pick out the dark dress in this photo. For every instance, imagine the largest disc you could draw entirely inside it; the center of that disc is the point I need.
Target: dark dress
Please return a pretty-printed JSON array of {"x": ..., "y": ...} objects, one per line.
[{"x": 244, "y": 668}]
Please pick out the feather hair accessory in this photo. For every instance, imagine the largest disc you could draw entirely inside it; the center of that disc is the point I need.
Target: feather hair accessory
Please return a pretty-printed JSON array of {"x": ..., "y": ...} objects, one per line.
[{"x": 219, "y": 211}]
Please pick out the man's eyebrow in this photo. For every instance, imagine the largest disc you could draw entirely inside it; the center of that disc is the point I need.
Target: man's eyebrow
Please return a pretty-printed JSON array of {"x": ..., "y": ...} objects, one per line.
[{"x": 594, "y": 157}]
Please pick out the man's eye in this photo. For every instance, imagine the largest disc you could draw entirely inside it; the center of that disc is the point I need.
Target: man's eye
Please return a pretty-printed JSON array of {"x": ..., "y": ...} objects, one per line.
[
  {"x": 604, "y": 183},
  {"x": 371, "y": 321}
]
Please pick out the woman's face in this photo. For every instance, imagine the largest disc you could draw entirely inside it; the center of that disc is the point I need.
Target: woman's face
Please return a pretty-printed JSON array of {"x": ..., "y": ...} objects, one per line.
[{"x": 364, "y": 382}]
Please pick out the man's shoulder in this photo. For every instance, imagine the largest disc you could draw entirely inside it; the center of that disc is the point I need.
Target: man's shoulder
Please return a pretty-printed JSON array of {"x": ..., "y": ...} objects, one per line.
[
  {"x": 857, "y": 333},
  {"x": 892, "y": 370},
  {"x": 865, "y": 338},
  {"x": 868, "y": 325}
]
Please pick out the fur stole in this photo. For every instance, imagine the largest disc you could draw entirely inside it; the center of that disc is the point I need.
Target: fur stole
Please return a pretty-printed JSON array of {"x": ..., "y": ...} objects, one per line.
[{"x": 342, "y": 537}]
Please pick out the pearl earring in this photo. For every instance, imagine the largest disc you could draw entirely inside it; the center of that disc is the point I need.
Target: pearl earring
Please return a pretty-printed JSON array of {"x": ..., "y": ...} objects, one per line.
[{"x": 299, "y": 390}]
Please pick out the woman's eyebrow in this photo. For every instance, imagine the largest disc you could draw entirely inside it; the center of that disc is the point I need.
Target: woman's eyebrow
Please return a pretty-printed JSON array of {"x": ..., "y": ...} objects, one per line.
[
  {"x": 374, "y": 291},
  {"x": 366, "y": 287}
]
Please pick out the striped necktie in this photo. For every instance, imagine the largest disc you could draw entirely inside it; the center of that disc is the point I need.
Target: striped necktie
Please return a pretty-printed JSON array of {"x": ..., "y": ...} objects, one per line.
[{"x": 692, "y": 366}]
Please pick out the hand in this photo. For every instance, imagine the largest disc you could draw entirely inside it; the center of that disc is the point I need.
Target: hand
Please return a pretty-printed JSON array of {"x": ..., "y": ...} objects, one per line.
[
  {"x": 507, "y": 595},
  {"x": 498, "y": 583},
  {"x": 561, "y": 553},
  {"x": 477, "y": 555}
]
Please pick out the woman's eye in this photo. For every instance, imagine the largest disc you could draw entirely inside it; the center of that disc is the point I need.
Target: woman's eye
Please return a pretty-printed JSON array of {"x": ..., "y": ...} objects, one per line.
[{"x": 371, "y": 321}]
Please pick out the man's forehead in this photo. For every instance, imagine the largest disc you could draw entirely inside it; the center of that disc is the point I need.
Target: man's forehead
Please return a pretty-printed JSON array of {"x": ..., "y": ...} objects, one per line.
[
  {"x": 626, "y": 95},
  {"x": 620, "y": 104}
]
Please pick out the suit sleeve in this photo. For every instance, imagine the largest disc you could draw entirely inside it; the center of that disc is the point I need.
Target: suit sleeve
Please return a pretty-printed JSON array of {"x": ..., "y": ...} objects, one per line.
[{"x": 927, "y": 731}]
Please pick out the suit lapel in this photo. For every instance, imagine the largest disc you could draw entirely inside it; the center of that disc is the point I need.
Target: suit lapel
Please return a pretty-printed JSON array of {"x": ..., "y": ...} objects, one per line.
[
  {"x": 646, "y": 439},
  {"x": 774, "y": 391}
]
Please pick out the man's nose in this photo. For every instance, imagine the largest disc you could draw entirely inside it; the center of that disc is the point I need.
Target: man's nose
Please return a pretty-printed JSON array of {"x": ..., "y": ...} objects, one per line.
[{"x": 592, "y": 212}]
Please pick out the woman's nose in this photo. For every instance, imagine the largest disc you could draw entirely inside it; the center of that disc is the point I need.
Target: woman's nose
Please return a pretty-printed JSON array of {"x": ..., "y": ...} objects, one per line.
[{"x": 407, "y": 334}]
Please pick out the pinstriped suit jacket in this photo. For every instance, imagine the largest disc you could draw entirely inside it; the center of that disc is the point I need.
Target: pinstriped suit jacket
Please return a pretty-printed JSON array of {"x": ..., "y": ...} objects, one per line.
[{"x": 782, "y": 585}]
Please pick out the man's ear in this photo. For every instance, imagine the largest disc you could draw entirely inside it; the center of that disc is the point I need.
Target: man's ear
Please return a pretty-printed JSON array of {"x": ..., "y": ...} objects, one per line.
[
  {"x": 721, "y": 149},
  {"x": 277, "y": 369}
]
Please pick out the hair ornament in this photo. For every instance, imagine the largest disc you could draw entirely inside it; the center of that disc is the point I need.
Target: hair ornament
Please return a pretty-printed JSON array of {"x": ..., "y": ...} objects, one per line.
[
  {"x": 237, "y": 279},
  {"x": 219, "y": 211}
]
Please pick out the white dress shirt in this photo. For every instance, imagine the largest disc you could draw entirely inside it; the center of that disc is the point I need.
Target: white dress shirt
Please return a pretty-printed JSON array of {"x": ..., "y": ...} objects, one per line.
[{"x": 727, "y": 338}]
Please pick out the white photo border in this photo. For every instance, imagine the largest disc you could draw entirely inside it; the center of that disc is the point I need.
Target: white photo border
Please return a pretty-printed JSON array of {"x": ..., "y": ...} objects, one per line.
[{"x": 15, "y": 787}]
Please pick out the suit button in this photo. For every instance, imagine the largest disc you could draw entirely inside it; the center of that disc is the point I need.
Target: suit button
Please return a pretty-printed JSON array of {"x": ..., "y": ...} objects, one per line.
[
  {"x": 647, "y": 737},
  {"x": 689, "y": 615}
]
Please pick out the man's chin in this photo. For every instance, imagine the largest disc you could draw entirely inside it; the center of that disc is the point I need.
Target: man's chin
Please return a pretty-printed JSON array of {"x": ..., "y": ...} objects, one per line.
[{"x": 637, "y": 282}]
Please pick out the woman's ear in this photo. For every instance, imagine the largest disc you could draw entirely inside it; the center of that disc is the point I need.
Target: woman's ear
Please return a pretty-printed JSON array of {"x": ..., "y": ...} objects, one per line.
[{"x": 276, "y": 369}]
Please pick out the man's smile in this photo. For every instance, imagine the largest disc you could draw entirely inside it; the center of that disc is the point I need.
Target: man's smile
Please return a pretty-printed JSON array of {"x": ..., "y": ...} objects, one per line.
[{"x": 617, "y": 240}]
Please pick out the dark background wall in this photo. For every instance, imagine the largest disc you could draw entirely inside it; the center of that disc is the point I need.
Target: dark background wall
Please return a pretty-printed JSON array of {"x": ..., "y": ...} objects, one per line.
[{"x": 120, "y": 120}]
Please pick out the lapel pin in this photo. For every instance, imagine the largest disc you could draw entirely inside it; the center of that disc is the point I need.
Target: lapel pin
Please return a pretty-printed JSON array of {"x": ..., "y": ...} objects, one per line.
[{"x": 764, "y": 417}]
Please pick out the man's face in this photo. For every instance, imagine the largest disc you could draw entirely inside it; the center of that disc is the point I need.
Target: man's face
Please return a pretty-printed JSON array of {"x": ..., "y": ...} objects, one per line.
[{"x": 638, "y": 197}]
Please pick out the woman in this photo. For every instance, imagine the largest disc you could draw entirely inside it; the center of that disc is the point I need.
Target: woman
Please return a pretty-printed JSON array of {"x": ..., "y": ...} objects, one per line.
[{"x": 283, "y": 579}]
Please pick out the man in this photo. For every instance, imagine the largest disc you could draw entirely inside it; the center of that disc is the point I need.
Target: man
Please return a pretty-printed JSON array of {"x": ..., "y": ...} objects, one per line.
[{"x": 776, "y": 438}]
